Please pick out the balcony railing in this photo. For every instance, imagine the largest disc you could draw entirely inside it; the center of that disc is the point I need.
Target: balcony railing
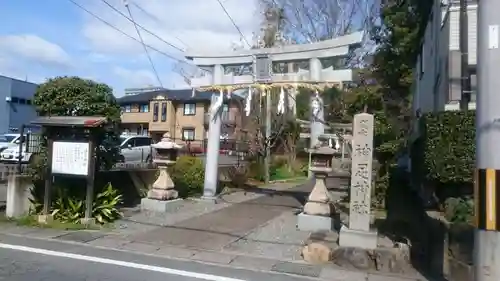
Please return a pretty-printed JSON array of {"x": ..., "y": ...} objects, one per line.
[{"x": 227, "y": 118}]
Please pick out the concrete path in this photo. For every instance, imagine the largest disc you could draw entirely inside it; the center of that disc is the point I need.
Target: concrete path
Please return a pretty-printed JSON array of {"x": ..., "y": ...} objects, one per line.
[
  {"x": 216, "y": 230},
  {"x": 252, "y": 229}
]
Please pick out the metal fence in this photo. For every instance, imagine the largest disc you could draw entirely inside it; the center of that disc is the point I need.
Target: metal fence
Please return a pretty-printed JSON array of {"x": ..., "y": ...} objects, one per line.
[
  {"x": 199, "y": 147},
  {"x": 7, "y": 170}
]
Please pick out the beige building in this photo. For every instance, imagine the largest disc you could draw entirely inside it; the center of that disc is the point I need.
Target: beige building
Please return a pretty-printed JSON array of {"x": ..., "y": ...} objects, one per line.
[{"x": 178, "y": 112}]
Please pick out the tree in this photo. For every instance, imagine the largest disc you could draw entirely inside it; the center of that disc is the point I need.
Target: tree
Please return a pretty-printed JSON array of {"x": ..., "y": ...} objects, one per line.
[
  {"x": 74, "y": 96},
  {"x": 384, "y": 87}
]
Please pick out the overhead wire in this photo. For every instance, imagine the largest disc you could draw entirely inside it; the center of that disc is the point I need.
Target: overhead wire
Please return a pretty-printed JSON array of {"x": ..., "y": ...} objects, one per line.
[
  {"x": 124, "y": 33},
  {"x": 157, "y": 20},
  {"x": 153, "y": 67},
  {"x": 131, "y": 19},
  {"x": 234, "y": 23}
]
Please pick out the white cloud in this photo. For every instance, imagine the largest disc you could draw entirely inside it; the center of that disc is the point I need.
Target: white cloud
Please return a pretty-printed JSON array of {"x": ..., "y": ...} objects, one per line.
[
  {"x": 192, "y": 24},
  {"x": 135, "y": 78},
  {"x": 145, "y": 77},
  {"x": 34, "y": 49}
]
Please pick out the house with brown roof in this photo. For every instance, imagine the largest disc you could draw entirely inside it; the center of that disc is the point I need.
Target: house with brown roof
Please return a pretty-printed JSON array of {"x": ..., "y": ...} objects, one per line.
[{"x": 179, "y": 112}]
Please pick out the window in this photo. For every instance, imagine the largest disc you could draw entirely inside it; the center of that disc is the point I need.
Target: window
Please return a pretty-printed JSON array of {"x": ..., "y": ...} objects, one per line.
[
  {"x": 189, "y": 109},
  {"x": 422, "y": 62},
  {"x": 14, "y": 100},
  {"x": 22, "y": 101},
  {"x": 155, "y": 112},
  {"x": 127, "y": 143},
  {"x": 128, "y": 108},
  {"x": 28, "y": 102},
  {"x": 142, "y": 142},
  {"x": 188, "y": 134},
  {"x": 144, "y": 108},
  {"x": 225, "y": 111},
  {"x": 163, "y": 112}
]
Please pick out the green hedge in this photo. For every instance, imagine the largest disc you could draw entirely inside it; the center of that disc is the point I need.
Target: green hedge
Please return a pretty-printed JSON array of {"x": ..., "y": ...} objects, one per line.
[
  {"x": 188, "y": 174},
  {"x": 449, "y": 147}
]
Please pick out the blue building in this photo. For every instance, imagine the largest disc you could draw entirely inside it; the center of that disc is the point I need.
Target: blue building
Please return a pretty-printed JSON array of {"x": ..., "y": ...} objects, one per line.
[{"x": 16, "y": 107}]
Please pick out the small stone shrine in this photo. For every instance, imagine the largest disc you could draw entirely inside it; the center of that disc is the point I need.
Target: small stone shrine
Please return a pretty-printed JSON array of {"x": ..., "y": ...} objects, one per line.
[
  {"x": 163, "y": 190},
  {"x": 359, "y": 234},
  {"x": 318, "y": 211}
]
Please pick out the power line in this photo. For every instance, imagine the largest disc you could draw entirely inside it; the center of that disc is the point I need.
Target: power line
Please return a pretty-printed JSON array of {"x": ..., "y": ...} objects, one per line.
[
  {"x": 131, "y": 19},
  {"x": 142, "y": 42},
  {"x": 234, "y": 23},
  {"x": 122, "y": 32},
  {"x": 157, "y": 20}
]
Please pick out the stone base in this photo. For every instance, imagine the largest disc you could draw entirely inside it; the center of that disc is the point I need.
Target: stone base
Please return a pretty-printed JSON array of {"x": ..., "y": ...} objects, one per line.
[
  {"x": 358, "y": 239},
  {"x": 159, "y": 206},
  {"x": 45, "y": 219},
  {"x": 163, "y": 194},
  {"x": 314, "y": 223},
  {"x": 88, "y": 221}
]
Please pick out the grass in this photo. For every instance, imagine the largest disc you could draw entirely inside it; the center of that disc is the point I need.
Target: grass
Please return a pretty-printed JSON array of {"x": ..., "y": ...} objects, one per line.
[{"x": 31, "y": 221}]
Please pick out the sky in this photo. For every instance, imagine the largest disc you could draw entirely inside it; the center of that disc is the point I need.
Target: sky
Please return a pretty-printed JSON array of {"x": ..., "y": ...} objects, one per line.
[{"x": 44, "y": 39}]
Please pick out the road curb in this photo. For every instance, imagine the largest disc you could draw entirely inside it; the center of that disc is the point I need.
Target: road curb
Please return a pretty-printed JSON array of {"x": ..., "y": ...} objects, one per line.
[{"x": 273, "y": 266}]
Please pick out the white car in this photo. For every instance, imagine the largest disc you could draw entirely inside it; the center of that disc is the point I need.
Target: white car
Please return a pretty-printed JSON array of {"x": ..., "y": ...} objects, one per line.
[
  {"x": 11, "y": 154},
  {"x": 135, "y": 148},
  {"x": 9, "y": 140}
]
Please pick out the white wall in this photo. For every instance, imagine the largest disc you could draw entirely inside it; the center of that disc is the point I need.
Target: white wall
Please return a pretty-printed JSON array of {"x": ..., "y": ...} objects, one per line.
[
  {"x": 433, "y": 88},
  {"x": 454, "y": 15}
]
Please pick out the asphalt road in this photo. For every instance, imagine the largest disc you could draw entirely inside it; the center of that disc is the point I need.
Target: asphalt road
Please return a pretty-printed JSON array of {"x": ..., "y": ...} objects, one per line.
[{"x": 24, "y": 259}]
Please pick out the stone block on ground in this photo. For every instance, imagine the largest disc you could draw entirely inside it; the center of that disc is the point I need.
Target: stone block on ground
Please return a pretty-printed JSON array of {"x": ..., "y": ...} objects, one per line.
[
  {"x": 317, "y": 253},
  {"x": 385, "y": 260}
]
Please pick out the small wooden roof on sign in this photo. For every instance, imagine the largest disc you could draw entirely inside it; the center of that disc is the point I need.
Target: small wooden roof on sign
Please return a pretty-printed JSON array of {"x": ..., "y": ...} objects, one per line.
[{"x": 70, "y": 121}]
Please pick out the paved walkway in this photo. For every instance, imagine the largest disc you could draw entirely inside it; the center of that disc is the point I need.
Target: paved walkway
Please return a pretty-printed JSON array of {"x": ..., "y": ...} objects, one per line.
[
  {"x": 216, "y": 230},
  {"x": 254, "y": 229}
]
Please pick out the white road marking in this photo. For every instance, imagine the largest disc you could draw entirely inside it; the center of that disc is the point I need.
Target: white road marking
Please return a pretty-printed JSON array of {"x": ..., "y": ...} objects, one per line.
[
  {"x": 490, "y": 199},
  {"x": 166, "y": 270}
]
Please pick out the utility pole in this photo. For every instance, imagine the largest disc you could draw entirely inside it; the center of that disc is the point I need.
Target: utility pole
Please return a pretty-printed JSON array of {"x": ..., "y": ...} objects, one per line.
[
  {"x": 464, "y": 57},
  {"x": 486, "y": 193}
]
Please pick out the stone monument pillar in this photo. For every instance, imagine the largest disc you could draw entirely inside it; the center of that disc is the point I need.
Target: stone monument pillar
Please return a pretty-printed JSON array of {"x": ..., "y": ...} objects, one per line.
[
  {"x": 163, "y": 190},
  {"x": 318, "y": 211},
  {"x": 359, "y": 234}
]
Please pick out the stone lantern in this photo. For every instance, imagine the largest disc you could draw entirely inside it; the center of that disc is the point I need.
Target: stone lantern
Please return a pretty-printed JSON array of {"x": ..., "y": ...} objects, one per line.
[
  {"x": 163, "y": 189},
  {"x": 318, "y": 211}
]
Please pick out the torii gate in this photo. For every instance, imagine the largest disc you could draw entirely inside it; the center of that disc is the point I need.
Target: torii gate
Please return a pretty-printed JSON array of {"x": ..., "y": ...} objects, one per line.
[{"x": 256, "y": 72}]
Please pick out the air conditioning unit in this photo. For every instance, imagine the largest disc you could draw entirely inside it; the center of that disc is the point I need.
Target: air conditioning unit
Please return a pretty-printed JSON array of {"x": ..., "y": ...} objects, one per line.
[{"x": 8, "y": 99}]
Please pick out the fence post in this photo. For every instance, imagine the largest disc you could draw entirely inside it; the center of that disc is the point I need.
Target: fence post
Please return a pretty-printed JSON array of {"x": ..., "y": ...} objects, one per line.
[{"x": 22, "y": 139}]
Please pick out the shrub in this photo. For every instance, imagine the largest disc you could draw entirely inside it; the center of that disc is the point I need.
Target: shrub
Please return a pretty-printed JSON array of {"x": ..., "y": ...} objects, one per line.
[
  {"x": 70, "y": 208},
  {"x": 449, "y": 147},
  {"x": 188, "y": 174},
  {"x": 238, "y": 175},
  {"x": 459, "y": 210}
]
